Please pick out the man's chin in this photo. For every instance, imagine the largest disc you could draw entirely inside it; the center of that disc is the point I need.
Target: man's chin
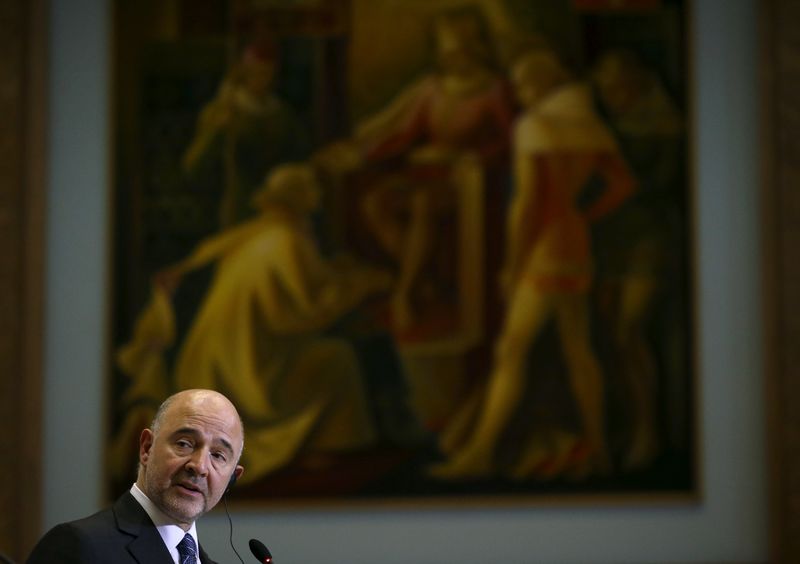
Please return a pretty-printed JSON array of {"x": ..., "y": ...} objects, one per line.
[{"x": 185, "y": 509}]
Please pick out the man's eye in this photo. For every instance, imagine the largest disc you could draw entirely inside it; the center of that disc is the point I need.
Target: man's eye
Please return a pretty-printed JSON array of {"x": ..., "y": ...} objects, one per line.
[
  {"x": 219, "y": 456},
  {"x": 183, "y": 444}
]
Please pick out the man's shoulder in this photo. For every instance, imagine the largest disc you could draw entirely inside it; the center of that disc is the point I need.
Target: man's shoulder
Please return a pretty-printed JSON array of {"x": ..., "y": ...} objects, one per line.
[
  {"x": 85, "y": 539},
  {"x": 124, "y": 510},
  {"x": 73, "y": 541},
  {"x": 121, "y": 533},
  {"x": 99, "y": 520}
]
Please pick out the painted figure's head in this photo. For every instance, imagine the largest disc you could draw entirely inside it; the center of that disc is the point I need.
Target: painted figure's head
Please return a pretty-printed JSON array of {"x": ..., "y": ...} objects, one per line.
[
  {"x": 293, "y": 186},
  {"x": 463, "y": 41},
  {"x": 255, "y": 70},
  {"x": 620, "y": 79},
  {"x": 536, "y": 74}
]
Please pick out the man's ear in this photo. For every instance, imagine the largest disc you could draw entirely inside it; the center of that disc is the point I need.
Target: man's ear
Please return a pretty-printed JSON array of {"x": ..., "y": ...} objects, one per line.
[
  {"x": 145, "y": 444},
  {"x": 234, "y": 476}
]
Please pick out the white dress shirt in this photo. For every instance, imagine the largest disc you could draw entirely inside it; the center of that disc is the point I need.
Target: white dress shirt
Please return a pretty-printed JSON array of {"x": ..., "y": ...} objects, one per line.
[{"x": 170, "y": 533}]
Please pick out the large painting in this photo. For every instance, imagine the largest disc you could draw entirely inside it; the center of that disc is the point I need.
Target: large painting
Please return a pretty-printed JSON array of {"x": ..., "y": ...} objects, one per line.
[{"x": 429, "y": 248}]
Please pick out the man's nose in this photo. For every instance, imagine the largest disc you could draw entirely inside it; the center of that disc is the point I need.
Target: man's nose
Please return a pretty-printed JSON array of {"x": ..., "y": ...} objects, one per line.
[{"x": 197, "y": 463}]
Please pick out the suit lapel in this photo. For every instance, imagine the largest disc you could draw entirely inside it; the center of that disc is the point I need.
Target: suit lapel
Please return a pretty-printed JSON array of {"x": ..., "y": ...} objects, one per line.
[{"x": 146, "y": 547}]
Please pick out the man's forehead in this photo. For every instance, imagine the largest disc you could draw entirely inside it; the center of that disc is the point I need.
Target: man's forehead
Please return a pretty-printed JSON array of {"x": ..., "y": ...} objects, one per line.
[
  {"x": 215, "y": 420},
  {"x": 220, "y": 422}
]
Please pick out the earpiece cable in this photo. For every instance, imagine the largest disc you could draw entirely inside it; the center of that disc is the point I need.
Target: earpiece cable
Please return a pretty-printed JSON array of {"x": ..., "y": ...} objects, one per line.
[{"x": 230, "y": 526}]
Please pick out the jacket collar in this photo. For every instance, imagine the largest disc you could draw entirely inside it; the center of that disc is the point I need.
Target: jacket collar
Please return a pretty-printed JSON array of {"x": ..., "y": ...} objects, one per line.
[{"x": 146, "y": 545}]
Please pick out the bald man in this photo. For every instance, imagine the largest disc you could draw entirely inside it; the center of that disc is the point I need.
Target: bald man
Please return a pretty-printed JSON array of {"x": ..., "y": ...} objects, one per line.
[{"x": 187, "y": 459}]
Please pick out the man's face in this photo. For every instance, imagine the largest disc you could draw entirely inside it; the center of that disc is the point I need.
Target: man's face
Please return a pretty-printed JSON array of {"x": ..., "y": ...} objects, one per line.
[{"x": 187, "y": 463}]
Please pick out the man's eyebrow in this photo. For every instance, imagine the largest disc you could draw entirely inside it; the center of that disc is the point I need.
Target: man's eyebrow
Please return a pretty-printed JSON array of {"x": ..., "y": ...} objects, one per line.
[
  {"x": 185, "y": 431},
  {"x": 194, "y": 432},
  {"x": 226, "y": 444}
]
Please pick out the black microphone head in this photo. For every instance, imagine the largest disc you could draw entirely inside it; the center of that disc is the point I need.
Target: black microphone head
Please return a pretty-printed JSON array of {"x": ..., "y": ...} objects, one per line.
[{"x": 260, "y": 551}]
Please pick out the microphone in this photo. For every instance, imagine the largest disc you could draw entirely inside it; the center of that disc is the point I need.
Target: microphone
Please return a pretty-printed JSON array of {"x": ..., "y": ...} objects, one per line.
[{"x": 260, "y": 551}]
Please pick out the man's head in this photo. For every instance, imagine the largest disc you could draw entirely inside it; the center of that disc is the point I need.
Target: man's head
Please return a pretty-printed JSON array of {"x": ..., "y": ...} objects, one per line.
[{"x": 189, "y": 454}]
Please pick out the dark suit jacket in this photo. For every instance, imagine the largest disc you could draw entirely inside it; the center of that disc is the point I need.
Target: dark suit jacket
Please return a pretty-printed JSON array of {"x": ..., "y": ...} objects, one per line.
[{"x": 122, "y": 534}]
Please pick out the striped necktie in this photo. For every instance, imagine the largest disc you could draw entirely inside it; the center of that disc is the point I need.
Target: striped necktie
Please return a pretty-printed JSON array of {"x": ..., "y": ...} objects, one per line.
[{"x": 187, "y": 550}]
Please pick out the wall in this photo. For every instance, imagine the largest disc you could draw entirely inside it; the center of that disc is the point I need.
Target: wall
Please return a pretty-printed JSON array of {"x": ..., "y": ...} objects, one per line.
[{"x": 730, "y": 525}]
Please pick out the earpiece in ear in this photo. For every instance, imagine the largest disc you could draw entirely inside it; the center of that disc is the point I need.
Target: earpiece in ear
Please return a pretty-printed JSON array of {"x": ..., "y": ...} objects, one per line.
[{"x": 231, "y": 482}]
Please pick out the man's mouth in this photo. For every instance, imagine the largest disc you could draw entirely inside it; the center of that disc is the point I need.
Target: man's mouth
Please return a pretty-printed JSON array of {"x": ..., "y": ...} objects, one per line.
[{"x": 189, "y": 487}]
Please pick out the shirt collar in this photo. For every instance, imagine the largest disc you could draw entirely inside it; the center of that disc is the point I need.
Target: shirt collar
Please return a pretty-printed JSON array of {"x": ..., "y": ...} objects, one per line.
[{"x": 170, "y": 533}]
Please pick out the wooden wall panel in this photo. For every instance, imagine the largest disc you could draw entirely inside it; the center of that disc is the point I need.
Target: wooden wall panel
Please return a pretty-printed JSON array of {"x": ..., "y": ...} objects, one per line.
[
  {"x": 780, "y": 59},
  {"x": 22, "y": 143}
]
